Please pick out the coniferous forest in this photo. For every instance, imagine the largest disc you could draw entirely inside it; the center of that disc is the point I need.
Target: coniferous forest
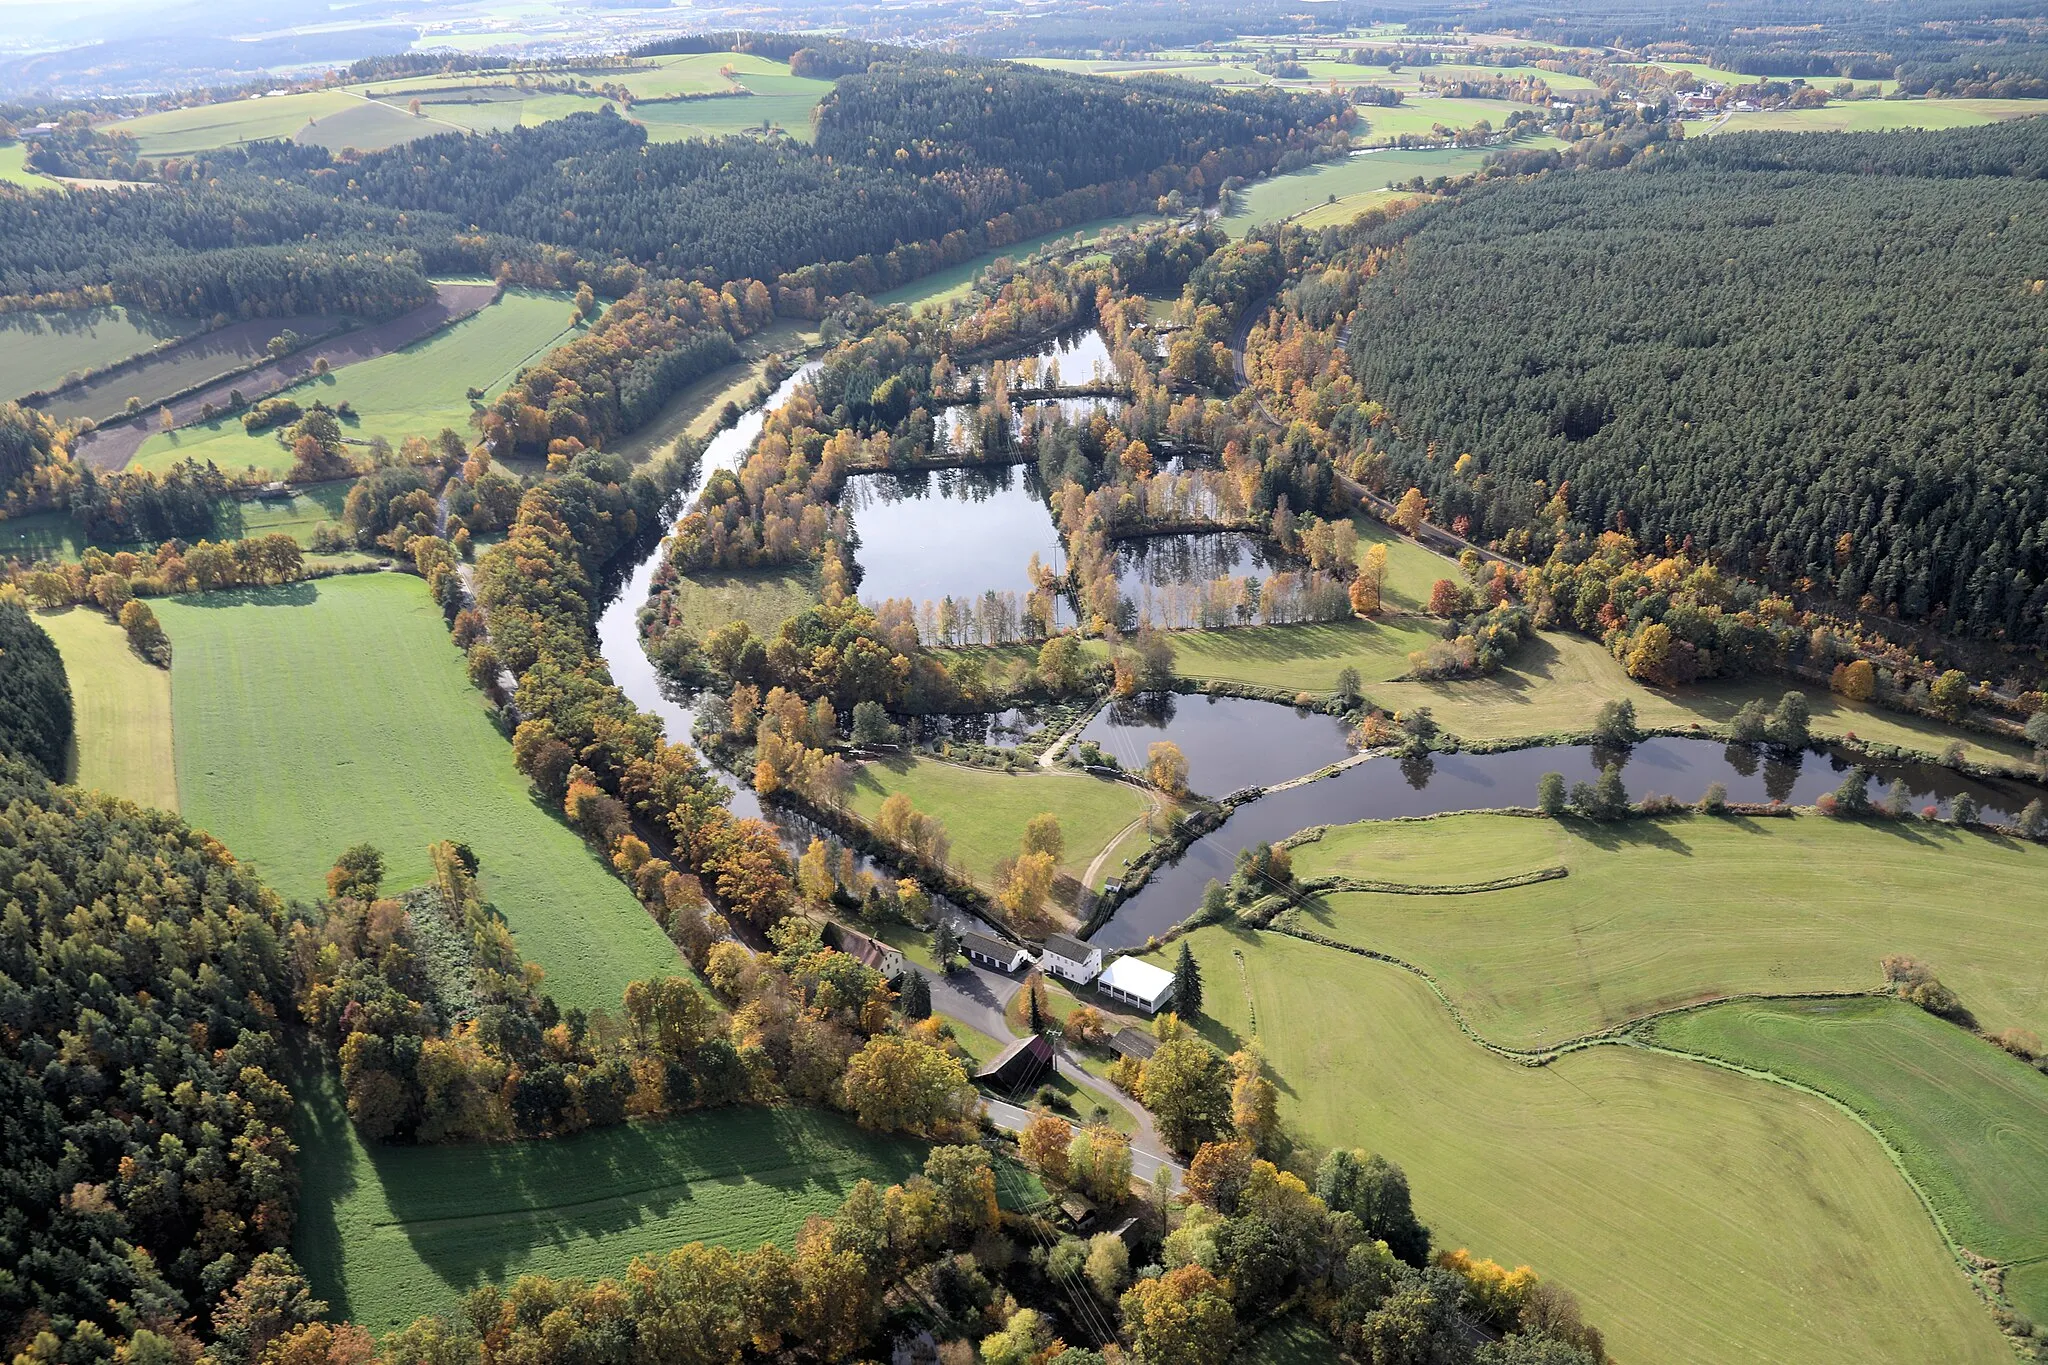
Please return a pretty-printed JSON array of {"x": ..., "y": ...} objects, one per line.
[{"x": 1751, "y": 347}]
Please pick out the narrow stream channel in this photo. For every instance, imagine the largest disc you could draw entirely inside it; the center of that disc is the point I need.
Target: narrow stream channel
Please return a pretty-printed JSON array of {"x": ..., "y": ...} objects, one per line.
[{"x": 618, "y": 626}]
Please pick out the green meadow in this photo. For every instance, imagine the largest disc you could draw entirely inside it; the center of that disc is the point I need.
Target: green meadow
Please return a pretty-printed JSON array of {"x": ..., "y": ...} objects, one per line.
[
  {"x": 59, "y": 536},
  {"x": 416, "y": 391},
  {"x": 1697, "y": 1214},
  {"x": 1657, "y": 914},
  {"x": 955, "y": 282},
  {"x": 1421, "y": 117},
  {"x": 1305, "y": 658},
  {"x": 388, "y": 1233},
  {"x": 183, "y": 132},
  {"x": 39, "y": 350},
  {"x": 1968, "y": 1121},
  {"x": 14, "y": 169},
  {"x": 121, "y": 707},
  {"x": 323, "y": 714},
  {"x": 1863, "y": 116},
  {"x": 763, "y": 598},
  {"x": 777, "y": 98},
  {"x": 986, "y": 810}
]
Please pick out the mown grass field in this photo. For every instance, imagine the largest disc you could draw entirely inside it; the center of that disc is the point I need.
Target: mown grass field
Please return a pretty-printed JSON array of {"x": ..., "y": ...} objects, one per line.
[
  {"x": 121, "y": 710},
  {"x": 986, "y": 810},
  {"x": 1355, "y": 184},
  {"x": 1301, "y": 658},
  {"x": 1969, "y": 1122},
  {"x": 763, "y": 598},
  {"x": 778, "y": 97},
  {"x": 1558, "y": 682},
  {"x": 316, "y": 716},
  {"x": 1659, "y": 914},
  {"x": 1412, "y": 570},
  {"x": 389, "y": 1233},
  {"x": 1698, "y": 1215},
  {"x": 415, "y": 391},
  {"x": 1420, "y": 118},
  {"x": 1862, "y": 116},
  {"x": 37, "y": 350},
  {"x": 182, "y": 132}
]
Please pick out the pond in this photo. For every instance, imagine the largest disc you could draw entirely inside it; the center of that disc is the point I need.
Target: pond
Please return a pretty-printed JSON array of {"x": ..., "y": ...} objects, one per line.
[
  {"x": 1161, "y": 561},
  {"x": 993, "y": 729},
  {"x": 1229, "y": 742},
  {"x": 1386, "y": 788},
  {"x": 618, "y": 626},
  {"x": 960, "y": 532}
]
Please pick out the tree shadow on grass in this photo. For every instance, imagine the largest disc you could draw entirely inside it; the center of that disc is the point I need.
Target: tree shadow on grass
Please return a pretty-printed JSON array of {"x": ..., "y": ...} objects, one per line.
[
  {"x": 473, "y": 1213},
  {"x": 1650, "y": 833},
  {"x": 301, "y": 594}
]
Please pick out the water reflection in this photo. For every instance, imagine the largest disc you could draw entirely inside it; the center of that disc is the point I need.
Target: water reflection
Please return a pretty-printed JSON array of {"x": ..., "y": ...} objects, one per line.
[
  {"x": 1382, "y": 789},
  {"x": 958, "y": 532},
  {"x": 1229, "y": 742}
]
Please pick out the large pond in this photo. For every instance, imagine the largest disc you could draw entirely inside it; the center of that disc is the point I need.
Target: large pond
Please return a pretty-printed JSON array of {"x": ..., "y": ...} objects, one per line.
[
  {"x": 1229, "y": 742},
  {"x": 1384, "y": 788},
  {"x": 618, "y": 626},
  {"x": 957, "y": 532}
]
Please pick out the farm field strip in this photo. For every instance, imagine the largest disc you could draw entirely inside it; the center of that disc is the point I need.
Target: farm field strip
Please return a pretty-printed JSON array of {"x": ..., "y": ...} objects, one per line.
[
  {"x": 1967, "y": 1122},
  {"x": 39, "y": 349},
  {"x": 1861, "y": 116},
  {"x": 1780, "y": 1231},
  {"x": 1656, "y": 914},
  {"x": 207, "y": 355},
  {"x": 417, "y": 390},
  {"x": 1305, "y": 658},
  {"x": 122, "y": 710},
  {"x": 319, "y": 715}
]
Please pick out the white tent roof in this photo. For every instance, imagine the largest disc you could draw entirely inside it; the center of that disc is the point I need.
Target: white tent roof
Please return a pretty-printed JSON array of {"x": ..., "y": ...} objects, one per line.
[{"x": 1134, "y": 978}]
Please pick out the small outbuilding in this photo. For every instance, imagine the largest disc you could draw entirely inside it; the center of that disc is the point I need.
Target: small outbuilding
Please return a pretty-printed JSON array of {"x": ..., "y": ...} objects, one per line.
[
  {"x": 993, "y": 952},
  {"x": 1134, "y": 1043},
  {"x": 1018, "y": 1067},
  {"x": 1137, "y": 983},
  {"x": 1067, "y": 956}
]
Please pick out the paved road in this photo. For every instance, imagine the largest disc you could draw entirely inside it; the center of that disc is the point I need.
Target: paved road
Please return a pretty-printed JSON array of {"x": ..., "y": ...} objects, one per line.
[{"x": 1144, "y": 1165}]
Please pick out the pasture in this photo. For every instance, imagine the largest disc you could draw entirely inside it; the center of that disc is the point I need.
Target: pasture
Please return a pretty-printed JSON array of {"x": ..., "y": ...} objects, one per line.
[
  {"x": 1356, "y": 183},
  {"x": 985, "y": 810},
  {"x": 39, "y": 349},
  {"x": 1863, "y": 116},
  {"x": 1400, "y": 165},
  {"x": 956, "y": 282},
  {"x": 1656, "y": 914},
  {"x": 415, "y": 391},
  {"x": 184, "y": 132},
  {"x": 1699, "y": 1215},
  {"x": 121, "y": 710},
  {"x": 1557, "y": 683},
  {"x": 324, "y": 714},
  {"x": 200, "y": 357},
  {"x": 1969, "y": 1122},
  {"x": 1412, "y": 570},
  {"x": 388, "y": 1233}
]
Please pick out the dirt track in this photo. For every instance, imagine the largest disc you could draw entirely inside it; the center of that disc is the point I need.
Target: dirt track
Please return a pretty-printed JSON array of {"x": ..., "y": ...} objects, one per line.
[{"x": 112, "y": 447}]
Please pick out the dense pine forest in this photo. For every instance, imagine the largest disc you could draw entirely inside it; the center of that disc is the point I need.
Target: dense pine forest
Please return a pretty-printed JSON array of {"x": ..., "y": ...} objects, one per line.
[{"x": 1821, "y": 373}]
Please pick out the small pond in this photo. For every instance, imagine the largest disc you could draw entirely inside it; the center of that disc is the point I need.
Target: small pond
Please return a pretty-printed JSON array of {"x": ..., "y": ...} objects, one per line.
[
  {"x": 994, "y": 729},
  {"x": 1384, "y": 788},
  {"x": 1229, "y": 742},
  {"x": 957, "y": 532},
  {"x": 1161, "y": 561}
]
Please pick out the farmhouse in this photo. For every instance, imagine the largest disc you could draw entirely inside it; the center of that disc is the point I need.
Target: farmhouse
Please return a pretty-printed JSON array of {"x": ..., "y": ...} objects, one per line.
[
  {"x": 1137, "y": 983},
  {"x": 1069, "y": 957},
  {"x": 864, "y": 950},
  {"x": 1019, "y": 1066},
  {"x": 993, "y": 952}
]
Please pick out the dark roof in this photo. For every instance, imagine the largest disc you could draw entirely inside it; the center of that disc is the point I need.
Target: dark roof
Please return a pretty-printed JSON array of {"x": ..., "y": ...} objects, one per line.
[
  {"x": 1018, "y": 1065},
  {"x": 863, "y": 949},
  {"x": 1067, "y": 946},
  {"x": 1131, "y": 1042},
  {"x": 988, "y": 947}
]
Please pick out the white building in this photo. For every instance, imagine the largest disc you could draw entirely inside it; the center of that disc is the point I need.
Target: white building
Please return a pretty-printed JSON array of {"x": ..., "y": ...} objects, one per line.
[
  {"x": 1067, "y": 956},
  {"x": 993, "y": 952},
  {"x": 1137, "y": 983}
]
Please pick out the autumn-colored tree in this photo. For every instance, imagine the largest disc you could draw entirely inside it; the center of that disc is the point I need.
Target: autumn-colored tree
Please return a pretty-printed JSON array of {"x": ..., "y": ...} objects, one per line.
[
  {"x": 1951, "y": 693},
  {"x": 1218, "y": 1174},
  {"x": 689, "y": 1307},
  {"x": 1044, "y": 1144},
  {"x": 1447, "y": 598},
  {"x": 897, "y": 1085},
  {"x": 1183, "y": 1317},
  {"x": 270, "y": 1300},
  {"x": 1099, "y": 1163},
  {"x": 1365, "y": 595},
  {"x": 1856, "y": 680},
  {"x": 1411, "y": 511},
  {"x": 1025, "y": 883},
  {"x": 1254, "y": 1101},
  {"x": 814, "y": 876},
  {"x": 1187, "y": 1088},
  {"x": 357, "y": 873},
  {"x": 1167, "y": 768},
  {"x": 1043, "y": 835}
]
